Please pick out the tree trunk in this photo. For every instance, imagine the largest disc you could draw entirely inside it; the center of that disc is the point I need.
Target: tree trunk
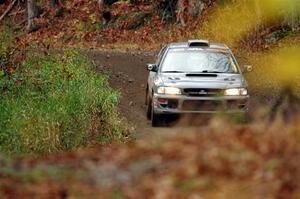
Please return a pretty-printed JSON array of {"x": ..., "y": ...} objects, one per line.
[
  {"x": 196, "y": 7},
  {"x": 104, "y": 10},
  {"x": 32, "y": 12},
  {"x": 101, "y": 4},
  {"x": 54, "y": 3},
  {"x": 190, "y": 8},
  {"x": 181, "y": 11}
]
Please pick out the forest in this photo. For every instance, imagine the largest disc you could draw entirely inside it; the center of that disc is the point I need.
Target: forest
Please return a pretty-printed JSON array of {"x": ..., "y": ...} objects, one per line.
[{"x": 72, "y": 105}]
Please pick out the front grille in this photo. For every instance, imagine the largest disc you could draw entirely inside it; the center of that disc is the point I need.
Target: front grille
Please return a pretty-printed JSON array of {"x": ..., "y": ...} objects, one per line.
[
  {"x": 203, "y": 92},
  {"x": 201, "y": 105},
  {"x": 213, "y": 105}
]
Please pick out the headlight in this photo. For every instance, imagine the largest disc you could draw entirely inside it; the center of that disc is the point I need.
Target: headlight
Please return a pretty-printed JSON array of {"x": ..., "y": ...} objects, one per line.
[
  {"x": 236, "y": 92},
  {"x": 169, "y": 90}
]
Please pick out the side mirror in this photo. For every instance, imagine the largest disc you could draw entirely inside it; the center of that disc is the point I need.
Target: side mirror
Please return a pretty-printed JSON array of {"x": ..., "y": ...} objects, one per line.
[
  {"x": 152, "y": 67},
  {"x": 247, "y": 68}
]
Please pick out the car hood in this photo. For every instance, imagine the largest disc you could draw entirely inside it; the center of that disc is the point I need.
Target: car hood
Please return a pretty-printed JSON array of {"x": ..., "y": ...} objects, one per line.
[{"x": 221, "y": 81}]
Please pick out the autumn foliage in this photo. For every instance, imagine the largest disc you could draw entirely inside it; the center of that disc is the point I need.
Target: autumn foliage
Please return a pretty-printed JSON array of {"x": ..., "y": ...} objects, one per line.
[
  {"x": 52, "y": 103},
  {"x": 212, "y": 162}
]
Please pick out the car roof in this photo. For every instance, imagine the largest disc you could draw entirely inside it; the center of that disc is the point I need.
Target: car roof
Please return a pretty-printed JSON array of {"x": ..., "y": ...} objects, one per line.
[{"x": 212, "y": 46}]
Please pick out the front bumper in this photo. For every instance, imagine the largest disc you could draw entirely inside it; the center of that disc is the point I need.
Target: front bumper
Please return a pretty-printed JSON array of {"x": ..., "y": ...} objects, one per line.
[{"x": 180, "y": 104}]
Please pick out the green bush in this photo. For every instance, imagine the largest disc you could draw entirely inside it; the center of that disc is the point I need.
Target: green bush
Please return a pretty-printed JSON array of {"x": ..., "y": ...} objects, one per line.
[{"x": 56, "y": 102}]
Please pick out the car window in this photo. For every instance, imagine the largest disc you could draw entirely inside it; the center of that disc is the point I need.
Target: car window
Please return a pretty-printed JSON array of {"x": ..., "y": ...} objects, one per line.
[
  {"x": 198, "y": 61},
  {"x": 160, "y": 55}
]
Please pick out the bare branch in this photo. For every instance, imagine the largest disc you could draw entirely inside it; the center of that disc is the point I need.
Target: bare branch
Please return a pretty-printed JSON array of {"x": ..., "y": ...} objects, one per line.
[{"x": 8, "y": 9}]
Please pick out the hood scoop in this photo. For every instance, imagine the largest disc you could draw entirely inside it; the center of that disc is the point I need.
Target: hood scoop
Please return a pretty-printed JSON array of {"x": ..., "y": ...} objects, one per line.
[
  {"x": 201, "y": 75},
  {"x": 173, "y": 78}
]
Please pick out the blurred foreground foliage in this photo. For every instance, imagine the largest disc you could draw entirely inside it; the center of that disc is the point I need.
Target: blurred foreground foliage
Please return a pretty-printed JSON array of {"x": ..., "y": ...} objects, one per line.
[
  {"x": 277, "y": 67},
  {"x": 249, "y": 21},
  {"x": 222, "y": 160}
]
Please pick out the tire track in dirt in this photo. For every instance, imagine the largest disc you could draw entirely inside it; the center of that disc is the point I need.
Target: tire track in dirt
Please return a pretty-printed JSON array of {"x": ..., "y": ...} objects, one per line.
[{"x": 127, "y": 74}]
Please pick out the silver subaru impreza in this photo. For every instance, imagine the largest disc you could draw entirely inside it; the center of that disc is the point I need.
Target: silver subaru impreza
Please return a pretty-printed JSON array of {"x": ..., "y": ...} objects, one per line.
[{"x": 195, "y": 77}]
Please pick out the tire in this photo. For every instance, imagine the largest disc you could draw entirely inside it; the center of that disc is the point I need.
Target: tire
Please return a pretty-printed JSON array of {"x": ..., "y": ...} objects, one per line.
[
  {"x": 149, "y": 107},
  {"x": 155, "y": 118}
]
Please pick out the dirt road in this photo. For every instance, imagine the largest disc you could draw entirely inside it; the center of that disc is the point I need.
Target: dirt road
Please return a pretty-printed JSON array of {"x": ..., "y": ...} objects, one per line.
[{"x": 128, "y": 74}]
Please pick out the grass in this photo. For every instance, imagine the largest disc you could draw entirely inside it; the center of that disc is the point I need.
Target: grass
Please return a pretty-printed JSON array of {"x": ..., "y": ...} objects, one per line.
[
  {"x": 7, "y": 43},
  {"x": 55, "y": 102}
]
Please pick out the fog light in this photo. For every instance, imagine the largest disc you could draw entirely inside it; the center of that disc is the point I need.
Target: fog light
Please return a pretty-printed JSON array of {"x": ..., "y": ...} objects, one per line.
[{"x": 162, "y": 101}]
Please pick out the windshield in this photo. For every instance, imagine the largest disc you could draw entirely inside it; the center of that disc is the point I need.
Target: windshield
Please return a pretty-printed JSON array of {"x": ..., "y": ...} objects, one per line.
[{"x": 198, "y": 61}]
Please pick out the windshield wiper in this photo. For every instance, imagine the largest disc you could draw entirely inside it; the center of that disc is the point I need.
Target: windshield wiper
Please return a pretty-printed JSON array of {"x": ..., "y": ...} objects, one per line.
[{"x": 173, "y": 71}]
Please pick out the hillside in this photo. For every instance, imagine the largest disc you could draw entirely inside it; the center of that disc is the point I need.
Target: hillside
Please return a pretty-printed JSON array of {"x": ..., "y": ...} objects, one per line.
[
  {"x": 141, "y": 24},
  {"x": 79, "y": 24}
]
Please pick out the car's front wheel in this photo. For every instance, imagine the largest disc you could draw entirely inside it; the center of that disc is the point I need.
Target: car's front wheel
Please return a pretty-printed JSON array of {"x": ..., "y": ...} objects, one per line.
[
  {"x": 149, "y": 107},
  {"x": 156, "y": 119}
]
